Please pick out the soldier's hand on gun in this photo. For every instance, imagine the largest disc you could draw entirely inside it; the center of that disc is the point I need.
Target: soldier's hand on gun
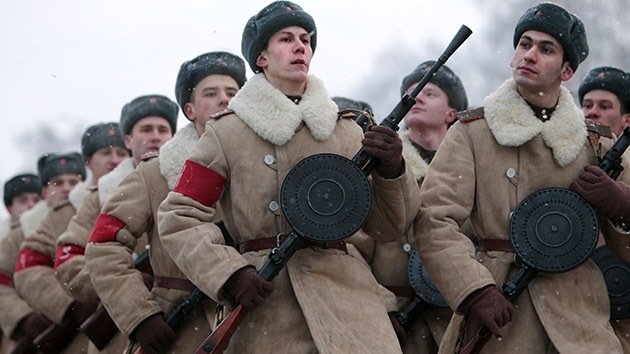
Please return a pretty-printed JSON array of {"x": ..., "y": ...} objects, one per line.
[
  {"x": 154, "y": 335},
  {"x": 609, "y": 197},
  {"x": 490, "y": 307},
  {"x": 248, "y": 288},
  {"x": 385, "y": 145},
  {"x": 34, "y": 324}
]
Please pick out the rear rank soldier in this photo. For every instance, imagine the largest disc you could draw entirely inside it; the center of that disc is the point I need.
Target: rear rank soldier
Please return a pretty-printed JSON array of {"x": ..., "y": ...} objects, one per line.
[
  {"x": 426, "y": 124},
  {"x": 203, "y": 88},
  {"x": 146, "y": 123},
  {"x": 17, "y": 318},
  {"x": 61, "y": 177}
]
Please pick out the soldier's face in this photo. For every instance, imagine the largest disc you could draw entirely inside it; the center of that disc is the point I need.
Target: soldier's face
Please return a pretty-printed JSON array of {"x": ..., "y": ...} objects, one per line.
[
  {"x": 21, "y": 203},
  {"x": 59, "y": 187},
  {"x": 604, "y": 108},
  {"x": 105, "y": 159},
  {"x": 287, "y": 57},
  {"x": 147, "y": 136},
  {"x": 431, "y": 110},
  {"x": 211, "y": 95}
]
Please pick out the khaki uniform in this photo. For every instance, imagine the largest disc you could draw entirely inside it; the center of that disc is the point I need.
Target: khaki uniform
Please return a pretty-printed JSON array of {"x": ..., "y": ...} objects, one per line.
[
  {"x": 34, "y": 275},
  {"x": 134, "y": 205},
  {"x": 389, "y": 262},
  {"x": 566, "y": 312},
  {"x": 324, "y": 300}
]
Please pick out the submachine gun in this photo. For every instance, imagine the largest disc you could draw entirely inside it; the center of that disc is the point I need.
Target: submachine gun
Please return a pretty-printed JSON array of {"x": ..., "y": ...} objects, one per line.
[
  {"x": 325, "y": 198},
  {"x": 552, "y": 230}
]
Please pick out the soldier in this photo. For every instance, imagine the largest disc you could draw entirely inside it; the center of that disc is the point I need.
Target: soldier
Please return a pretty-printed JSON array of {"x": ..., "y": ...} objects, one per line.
[
  {"x": 426, "y": 125},
  {"x": 318, "y": 300},
  {"x": 33, "y": 277},
  {"x": 18, "y": 319},
  {"x": 146, "y": 123},
  {"x": 605, "y": 97},
  {"x": 204, "y": 87},
  {"x": 529, "y": 135}
]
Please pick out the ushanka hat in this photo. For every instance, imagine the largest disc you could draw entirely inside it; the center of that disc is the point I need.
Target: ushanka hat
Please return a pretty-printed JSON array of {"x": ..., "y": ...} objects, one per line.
[
  {"x": 213, "y": 63},
  {"x": 609, "y": 79},
  {"x": 146, "y": 106},
  {"x": 99, "y": 136},
  {"x": 22, "y": 183},
  {"x": 269, "y": 20},
  {"x": 344, "y": 103},
  {"x": 53, "y": 165},
  {"x": 444, "y": 78},
  {"x": 559, "y": 23}
]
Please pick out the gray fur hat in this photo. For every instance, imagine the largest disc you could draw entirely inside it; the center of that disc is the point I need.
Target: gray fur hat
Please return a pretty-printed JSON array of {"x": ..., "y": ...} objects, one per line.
[
  {"x": 609, "y": 79},
  {"x": 22, "y": 183},
  {"x": 269, "y": 20},
  {"x": 559, "y": 23},
  {"x": 145, "y": 106},
  {"x": 213, "y": 63},
  {"x": 101, "y": 135},
  {"x": 346, "y": 103},
  {"x": 444, "y": 78},
  {"x": 53, "y": 165}
]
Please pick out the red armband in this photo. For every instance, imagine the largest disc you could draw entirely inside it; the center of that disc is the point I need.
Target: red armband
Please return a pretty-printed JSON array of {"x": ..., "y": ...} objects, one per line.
[
  {"x": 105, "y": 228},
  {"x": 5, "y": 279},
  {"x": 66, "y": 252},
  {"x": 200, "y": 183},
  {"x": 29, "y": 258}
]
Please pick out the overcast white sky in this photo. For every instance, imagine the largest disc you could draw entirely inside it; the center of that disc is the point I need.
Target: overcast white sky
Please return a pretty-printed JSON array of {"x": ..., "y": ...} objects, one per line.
[{"x": 76, "y": 63}]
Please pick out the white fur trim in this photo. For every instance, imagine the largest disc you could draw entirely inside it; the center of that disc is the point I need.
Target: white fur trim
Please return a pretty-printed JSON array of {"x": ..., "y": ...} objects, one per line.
[
  {"x": 108, "y": 183},
  {"x": 31, "y": 219},
  {"x": 413, "y": 160},
  {"x": 78, "y": 193},
  {"x": 174, "y": 153},
  {"x": 513, "y": 123},
  {"x": 5, "y": 227},
  {"x": 271, "y": 115}
]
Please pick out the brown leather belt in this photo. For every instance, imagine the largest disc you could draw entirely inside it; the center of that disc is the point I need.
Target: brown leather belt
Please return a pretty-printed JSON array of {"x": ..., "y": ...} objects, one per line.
[
  {"x": 495, "y": 245},
  {"x": 271, "y": 242},
  {"x": 173, "y": 283},
  {"x": 402, "y": 291}
]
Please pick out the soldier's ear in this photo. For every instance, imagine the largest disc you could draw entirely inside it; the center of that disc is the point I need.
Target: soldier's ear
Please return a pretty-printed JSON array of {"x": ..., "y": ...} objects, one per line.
[
  {"x": 261, "y": 60},
  {"x": 567, "y": 71}
]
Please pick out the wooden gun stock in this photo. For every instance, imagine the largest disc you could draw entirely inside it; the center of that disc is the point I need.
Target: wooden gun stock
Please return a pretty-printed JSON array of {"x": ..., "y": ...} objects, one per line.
[
  {"x": 24, "y": 346},
  {"x": 99, "y": 328},
  {"x": 220, "y": 337},
  {"x": 56, "y": 337}
]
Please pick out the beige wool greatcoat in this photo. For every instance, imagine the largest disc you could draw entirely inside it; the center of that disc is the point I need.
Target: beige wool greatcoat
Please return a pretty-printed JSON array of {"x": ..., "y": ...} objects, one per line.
[
  {"x": 324, "y": 300},
  {"x": 468, "y": 179},
  {"x": 110, "y": 264}
]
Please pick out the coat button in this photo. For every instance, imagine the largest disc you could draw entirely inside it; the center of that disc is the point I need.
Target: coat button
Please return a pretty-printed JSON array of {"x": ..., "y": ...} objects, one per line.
[
  {"x": 510, "y": 173},
  {"x": 269, "y": 160},
  {"x": 274, "y": 206},
  {"x": 406, "y": 247}
]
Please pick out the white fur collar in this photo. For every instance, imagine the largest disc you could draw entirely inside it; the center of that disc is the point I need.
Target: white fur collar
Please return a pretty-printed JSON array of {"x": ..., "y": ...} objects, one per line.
[
  {"x": 513, "y": 123},
  {"x": 108, "y": 183},
  {"x": 79, "y": 192},
  {"x": 271, "y": 115},
  {"x": 5, "y": 227},
  {"x": 31, "y": 219},
  {"x": 413, "y": 160},
  {"x": 174, "y": 153}
]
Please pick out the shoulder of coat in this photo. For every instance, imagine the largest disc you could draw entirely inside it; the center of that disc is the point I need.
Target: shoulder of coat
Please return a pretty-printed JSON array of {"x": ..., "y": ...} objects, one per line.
[
  {"x": 599, "y": 129},
  {"x": 470, "y": 115},
  {"x": 221, "y": 114}
]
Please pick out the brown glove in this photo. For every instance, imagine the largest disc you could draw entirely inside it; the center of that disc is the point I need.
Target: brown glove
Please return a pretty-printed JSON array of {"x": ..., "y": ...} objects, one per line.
[
  {"x": 34, "y": 324},
  {"x": 385, "y": 145},
  {"x": 609, "y": 197},
  {"x": 248, "y": 288},
  {"x": 490, "y": 307},
  {"x": 154, "y": 334},
  {"x": 80, "y": 310}
]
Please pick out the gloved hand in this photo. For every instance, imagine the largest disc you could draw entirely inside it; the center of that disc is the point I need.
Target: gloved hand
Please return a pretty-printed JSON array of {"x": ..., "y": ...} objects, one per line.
[
  {"x": 385, "y": 145},
  {"x": 79, "y": 311},
  {"x": 401, "y": 333},
  {"x": 609, "y": 197},
  {"x": 154, "y": 335},
  {"x": 248, "y": 288},
  {"x": 490, "y": 307},
  {"x": 34, "y": 324}
]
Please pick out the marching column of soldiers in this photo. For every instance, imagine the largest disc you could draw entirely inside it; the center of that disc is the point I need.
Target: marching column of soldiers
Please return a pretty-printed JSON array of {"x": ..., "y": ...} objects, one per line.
[{"x": 510, "y": 216}]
